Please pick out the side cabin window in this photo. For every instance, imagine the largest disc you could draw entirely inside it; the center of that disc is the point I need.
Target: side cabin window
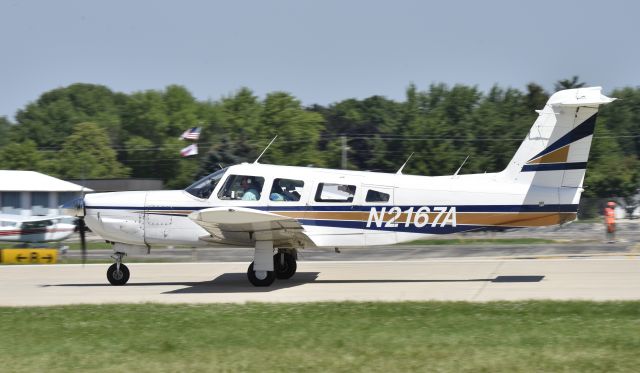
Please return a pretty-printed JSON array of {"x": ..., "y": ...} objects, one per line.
[
  {"x": 341, "y": 193},
  {"x": 375, "y": 196},
  {"x": 284, "y": 190},
  {"x": 242, "y": 187}
]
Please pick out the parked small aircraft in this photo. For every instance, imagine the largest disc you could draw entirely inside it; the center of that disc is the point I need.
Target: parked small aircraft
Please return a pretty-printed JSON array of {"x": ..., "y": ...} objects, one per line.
[
  {"x": 284, "y": 209},
  {"x": 35, "y": 229}
]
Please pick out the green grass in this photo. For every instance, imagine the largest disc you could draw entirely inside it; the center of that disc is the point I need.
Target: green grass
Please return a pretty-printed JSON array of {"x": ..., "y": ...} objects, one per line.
[
  {"x": 492, "y": 241},
  {"x": 529, "y": 336}
]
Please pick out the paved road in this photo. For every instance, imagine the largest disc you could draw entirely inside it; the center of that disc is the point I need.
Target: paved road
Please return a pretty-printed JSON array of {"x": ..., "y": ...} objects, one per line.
[{"x": 435, "y": 279}]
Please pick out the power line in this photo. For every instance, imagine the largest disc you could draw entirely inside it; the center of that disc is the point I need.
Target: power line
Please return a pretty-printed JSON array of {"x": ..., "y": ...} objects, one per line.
[{"x": 348, "y": 138}]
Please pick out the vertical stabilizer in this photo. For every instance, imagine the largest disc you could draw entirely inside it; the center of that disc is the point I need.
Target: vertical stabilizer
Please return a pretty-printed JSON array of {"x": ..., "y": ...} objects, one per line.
[{"x": 556, "y": 150}]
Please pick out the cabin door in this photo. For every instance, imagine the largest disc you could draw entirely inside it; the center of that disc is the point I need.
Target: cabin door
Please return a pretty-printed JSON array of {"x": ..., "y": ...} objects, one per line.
[{"x": 382, "y": 218}]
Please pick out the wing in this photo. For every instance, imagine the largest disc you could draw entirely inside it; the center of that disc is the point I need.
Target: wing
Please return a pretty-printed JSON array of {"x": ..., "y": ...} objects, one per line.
[{"x": 239, "y": 225}]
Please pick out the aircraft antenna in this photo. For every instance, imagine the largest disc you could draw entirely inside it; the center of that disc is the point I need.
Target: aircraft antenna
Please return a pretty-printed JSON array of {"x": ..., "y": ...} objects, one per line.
[
  {"x": 404, "y": 164},
  {"x": 459, "y": 168},
  {"x": 265, "y": 149}
]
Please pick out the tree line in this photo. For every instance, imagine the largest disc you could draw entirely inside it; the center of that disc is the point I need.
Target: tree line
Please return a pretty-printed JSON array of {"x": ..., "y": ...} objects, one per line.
[{"x": 90, "y": 131}]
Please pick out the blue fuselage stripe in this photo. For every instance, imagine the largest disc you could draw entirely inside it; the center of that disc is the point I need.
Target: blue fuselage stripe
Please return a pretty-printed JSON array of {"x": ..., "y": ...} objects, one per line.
[{"x": 428, "y": 229}]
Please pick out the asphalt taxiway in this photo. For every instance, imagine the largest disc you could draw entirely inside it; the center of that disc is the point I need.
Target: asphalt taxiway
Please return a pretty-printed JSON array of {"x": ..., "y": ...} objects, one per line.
[{"x": 460, "y": 279}]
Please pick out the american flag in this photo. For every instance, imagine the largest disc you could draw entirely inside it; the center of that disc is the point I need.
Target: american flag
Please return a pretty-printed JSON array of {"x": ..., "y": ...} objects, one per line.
[
  {"x": 189, "y": 150},
  {"x": 191, "y": 134}
]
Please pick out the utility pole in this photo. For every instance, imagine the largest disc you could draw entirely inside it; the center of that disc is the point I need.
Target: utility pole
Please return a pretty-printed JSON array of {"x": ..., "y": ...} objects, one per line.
[{"x": 344, "y": 151}]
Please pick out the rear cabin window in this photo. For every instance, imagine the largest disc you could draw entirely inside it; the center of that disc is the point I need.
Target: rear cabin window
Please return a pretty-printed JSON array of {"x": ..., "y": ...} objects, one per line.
[
  {"x": 329, "y": 192},
  {"x": 375, "y": 196},
  {"x": 284, "y": 190},
  {"x": 242, "y": 187}
]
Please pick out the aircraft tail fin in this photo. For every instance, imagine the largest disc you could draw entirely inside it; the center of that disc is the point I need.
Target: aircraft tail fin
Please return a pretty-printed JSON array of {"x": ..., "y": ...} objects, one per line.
[{"x": 556, "y": 149}]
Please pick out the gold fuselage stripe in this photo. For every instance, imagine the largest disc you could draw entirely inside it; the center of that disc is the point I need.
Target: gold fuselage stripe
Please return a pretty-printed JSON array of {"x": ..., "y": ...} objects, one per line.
[{"x": 499, "y": 219}]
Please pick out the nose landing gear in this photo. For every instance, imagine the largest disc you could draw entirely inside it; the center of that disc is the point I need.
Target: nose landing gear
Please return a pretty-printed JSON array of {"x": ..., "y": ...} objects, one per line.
[{"x": 118, "y": 273}]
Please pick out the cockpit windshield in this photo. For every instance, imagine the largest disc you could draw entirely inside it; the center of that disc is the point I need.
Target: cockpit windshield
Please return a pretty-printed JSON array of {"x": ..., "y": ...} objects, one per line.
[{"x": 205, "y": 186}]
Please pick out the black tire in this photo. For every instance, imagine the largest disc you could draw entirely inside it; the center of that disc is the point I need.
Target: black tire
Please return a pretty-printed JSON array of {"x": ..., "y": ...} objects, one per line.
[
  {"x": 118, "y": 278},
  {"x": 287, "y": 269},
  {"x": 267, "y": 281}
]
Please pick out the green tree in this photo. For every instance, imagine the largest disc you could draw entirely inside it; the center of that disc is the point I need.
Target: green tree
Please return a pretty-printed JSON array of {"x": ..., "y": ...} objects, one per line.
[
  {"x": 299, "y": 131},
  {"x": 573, "y": 82},
  {"x": 50, "y": 119},
  {"x": 441, "y": 139},
  {"x": 145, "y": 115},
  {"x": 181, "y": 109},
  {"x": 622, "y": 118},
  {"x": 610, "y": 172},
  {"x": 5, "y": 127},
  {"x": 141, "y": 156},
  {"x": 86, "y": 153},
  {"x": 236, "y": 122},
  {"x": 240, "y": 116},
  {"x": 177, "y": 172},
  {"x": 368, "y": 124},
  {"x": 21, "y": 156},
  {"x": 536, "y": 97}
]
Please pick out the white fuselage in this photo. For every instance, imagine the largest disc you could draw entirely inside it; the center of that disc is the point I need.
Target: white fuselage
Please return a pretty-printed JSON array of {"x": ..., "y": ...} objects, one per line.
[{"x": 383, "y": 208}]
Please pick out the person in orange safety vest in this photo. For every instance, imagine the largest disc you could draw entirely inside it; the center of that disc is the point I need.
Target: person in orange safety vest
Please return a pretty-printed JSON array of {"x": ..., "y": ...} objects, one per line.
[{"x": 610, "y": 221}]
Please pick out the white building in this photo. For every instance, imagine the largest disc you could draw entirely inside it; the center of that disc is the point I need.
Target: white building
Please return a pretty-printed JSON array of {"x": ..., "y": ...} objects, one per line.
[{"x": 32, "y": 193}]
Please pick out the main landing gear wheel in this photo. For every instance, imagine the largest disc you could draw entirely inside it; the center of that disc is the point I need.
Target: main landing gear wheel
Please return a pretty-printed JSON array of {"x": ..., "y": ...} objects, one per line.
[
  {"x": 261, "y": 278},
  {"x": 284, "y": 265},
  {"x": 117, "y": 276}
]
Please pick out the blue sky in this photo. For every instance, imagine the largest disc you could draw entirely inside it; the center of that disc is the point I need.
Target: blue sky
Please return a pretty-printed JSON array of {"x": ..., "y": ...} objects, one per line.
[{"x": 320, "y": 51}]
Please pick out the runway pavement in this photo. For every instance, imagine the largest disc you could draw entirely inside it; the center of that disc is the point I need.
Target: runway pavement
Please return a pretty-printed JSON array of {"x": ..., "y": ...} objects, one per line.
[
  {"x": 394, "y": 252},
  {"x": 462, "y": 279}
]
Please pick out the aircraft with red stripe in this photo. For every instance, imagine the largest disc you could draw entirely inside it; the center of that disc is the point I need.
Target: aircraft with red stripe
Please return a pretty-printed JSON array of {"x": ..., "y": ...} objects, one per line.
[
  {"x": 280, "y": 210},
  {"x": 35, "y": 229}
]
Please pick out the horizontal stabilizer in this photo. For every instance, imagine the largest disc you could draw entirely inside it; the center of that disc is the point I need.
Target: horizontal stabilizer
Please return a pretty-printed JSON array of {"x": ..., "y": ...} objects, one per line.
[{"x": 591, "y": 96}]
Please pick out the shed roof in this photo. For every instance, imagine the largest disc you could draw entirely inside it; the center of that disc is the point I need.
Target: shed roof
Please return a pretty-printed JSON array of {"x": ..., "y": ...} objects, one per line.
[{"x": 31, "y": 181}]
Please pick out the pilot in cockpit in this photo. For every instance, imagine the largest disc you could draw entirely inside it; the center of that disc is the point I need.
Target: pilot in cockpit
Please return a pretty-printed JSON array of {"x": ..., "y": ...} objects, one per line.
[{"x": 250, "y": 187}]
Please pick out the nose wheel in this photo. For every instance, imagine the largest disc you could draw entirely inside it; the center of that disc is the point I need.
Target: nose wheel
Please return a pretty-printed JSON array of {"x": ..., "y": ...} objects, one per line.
[{"x": 118, "y": 273}]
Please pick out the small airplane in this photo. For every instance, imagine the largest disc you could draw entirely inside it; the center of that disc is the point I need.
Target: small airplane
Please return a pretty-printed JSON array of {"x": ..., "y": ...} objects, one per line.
[
  {"x": 280, "y": 210},
  {"x": 35, "y": 229}
]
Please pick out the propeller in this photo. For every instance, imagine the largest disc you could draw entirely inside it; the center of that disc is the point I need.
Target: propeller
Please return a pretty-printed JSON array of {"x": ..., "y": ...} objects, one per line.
[{"x": 75, "y": 207}]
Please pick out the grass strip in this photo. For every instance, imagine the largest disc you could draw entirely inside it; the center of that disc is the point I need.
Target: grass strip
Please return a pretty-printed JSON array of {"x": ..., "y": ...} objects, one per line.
[{"x": 344, "y": 337}]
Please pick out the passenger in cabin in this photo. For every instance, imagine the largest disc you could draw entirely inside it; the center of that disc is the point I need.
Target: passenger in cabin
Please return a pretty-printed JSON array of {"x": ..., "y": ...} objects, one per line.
[
  {"x": 277, "y": 193},
  {"x": 285, "y": 190},
  {"x": 250, "y": 189},
  {"x": 351, "y": 189},
  {"x": 290, "y": 193}
]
